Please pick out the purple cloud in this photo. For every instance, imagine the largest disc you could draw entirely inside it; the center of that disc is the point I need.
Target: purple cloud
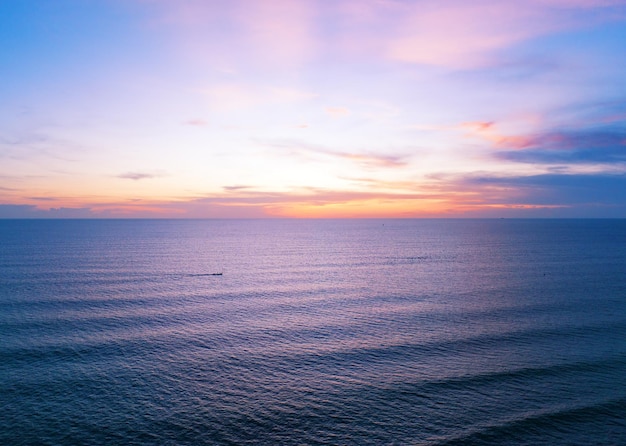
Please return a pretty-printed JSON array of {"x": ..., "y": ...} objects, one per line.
[
  {"x": 236, "y": 188},
  {"x": 605, "y": 146},
  {"x": 197, "y": 122},
  {"x": 31, "y": 211},
  {"x": 137, "y": 176}
]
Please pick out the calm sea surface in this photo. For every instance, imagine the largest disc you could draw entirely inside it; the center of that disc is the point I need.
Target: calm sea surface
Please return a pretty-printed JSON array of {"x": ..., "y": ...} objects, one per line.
[{"x": 318, "y": 332}]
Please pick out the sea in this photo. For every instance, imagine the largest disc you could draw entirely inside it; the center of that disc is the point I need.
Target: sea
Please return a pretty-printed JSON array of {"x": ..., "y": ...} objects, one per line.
[{"x": 313, "y": 332}]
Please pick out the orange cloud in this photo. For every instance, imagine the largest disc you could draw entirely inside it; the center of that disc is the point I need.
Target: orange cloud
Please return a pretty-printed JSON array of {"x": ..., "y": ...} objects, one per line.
[
  {"x": 436, "y": 196},
  {"x": 488, "y": 131}
]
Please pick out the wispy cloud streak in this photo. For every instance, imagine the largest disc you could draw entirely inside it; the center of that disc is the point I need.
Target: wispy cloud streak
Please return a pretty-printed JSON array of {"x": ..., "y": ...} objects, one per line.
[
  {"x": 362, "y": 157},
  {"x": 136, "y": 176}
]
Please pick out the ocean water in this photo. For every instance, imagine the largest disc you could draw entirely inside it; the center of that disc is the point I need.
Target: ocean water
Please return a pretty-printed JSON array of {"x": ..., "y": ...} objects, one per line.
[{"x": 317, "y": 332}]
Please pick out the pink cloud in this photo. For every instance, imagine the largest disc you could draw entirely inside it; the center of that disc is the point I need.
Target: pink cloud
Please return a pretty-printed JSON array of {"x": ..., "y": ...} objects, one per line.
[
  {"x": 240, "y": 96},
  {"x": 467, "y": 34},
  {"x": 489, "y": 131},
  {"x": 281, "y": 30},
  {"x": 458, "y": 33},
  {"x": 275, "y": 33},
  {"x": 370, "y": 160},
  {"x": 337, "y": 112},
  {"x": 450, "y": 33},
  {"x": 364, "y": 158},
  {"x": 197, "y": 122}
]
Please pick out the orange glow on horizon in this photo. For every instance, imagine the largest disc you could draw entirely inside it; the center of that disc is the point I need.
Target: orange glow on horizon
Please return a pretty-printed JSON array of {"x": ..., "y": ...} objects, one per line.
[
  {"x": 285, "y": 205},
  {"x": 375, "y": 208}
]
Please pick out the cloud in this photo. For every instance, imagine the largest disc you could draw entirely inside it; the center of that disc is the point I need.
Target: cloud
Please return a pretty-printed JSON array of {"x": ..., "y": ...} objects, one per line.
[
  {"x": 43, "y": 198},
  {"x": 581, "y": 136},
  {"x": 303, "y": 202},
  {"x": 381, "y": 184},
  {"x": 490, "y": 131},
  {"x": 447, "y": 33},
  {"x": 443, "y": 195},
  {"x": 281, "y": 29},
  {"x": 113, "y": 209},
  {"x": 460, "y": 34},
  {"x": 478, "y": 194},
  {"x": 337, "y": 112},
  {"x": 31, "y": 211},
  {"x": 27, "y": 144},
  {"x": 278, "y": 33},
  {"x": 287, "y": 94},
  {"x": 197, "y": 122},
  {"x": 367, "y": 159},
  {"x": 309, "y": 195},
  {"x": 564, "y": 195},
  {"x": 232, "y": 96},
  {"x": 19, "y": 211},
  {"x": 236, "y": 188},
  {"x": 135, "y": 176},
  {"x": 602, "y": 146},
  {"x": 373, "y": 160}
]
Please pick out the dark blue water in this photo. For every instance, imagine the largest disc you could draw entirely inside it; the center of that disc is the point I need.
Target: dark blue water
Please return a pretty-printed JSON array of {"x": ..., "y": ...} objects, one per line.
[{"x": 318, "y": 332}]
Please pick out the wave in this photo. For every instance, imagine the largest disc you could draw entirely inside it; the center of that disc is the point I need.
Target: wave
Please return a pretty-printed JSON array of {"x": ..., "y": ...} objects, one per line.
[{"x": 600, "y": 422}]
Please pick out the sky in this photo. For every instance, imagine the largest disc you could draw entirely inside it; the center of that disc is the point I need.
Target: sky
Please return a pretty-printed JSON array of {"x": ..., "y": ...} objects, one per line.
[{"x": 312, "y": 108}]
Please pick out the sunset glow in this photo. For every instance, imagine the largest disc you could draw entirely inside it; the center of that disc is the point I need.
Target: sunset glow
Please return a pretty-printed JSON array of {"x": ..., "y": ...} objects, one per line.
[{"x": 251, "y": 109}]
